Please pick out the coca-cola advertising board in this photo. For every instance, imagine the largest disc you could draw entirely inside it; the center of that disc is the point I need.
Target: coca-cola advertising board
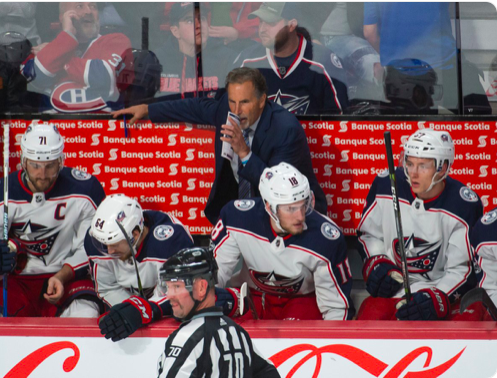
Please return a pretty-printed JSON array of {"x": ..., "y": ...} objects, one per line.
[
  {"x": 170, "y": 166},
  {"x": 75, "y": 348}
]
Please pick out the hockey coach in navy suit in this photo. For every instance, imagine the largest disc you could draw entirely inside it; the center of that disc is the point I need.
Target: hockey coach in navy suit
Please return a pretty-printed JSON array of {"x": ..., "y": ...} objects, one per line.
[{"x": 268, "y": 134}]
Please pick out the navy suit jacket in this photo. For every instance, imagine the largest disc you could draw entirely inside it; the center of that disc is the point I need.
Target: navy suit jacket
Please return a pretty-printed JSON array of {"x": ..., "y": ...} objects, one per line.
[{"x": 279, "y": 138}]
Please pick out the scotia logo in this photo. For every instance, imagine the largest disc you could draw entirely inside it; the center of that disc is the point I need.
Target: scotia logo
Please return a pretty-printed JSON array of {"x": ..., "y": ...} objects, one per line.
[
  {"x": 114, "y": 184},
  {"x": 345, "y": 156},
  {"x": 329, "y": 199},
  {"x": 192, "y": 213},
  {"x": 326, "y": 141},
  {"x": 484, "y": 200},
  {"x": 421, "y": 125},
  {"x": 18, "y": 140},
  {"x": 343, "y": 126},
  {"x": 191, "y": 184},
  {"x": 96, "y": 169},
  {"x": 172, "y": 139},
  {"x": 327, "y": 170},
  {"x": 113, "y": 153},
  {"x": 95, "y": 141},
  {"x": 483, "y": 171},
  {"x": 345, "y": 185},
  {"x": 189, "y": 154},
  {"x": 188, "y": 127},
  {"x": 482, "y": 141},
  {"x": 174, "y": 198},
  {"x": 346, "y": 215},
  {"x": 173, "y": 169},
  {"x": 112, "y": 125}
]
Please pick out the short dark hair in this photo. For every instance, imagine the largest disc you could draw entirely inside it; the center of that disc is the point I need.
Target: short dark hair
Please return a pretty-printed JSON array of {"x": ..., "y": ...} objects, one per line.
[{"x": 244, "y": 74}]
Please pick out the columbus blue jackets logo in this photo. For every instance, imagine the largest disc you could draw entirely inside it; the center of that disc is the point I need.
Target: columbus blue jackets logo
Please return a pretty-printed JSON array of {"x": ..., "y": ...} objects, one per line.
[
  {"x": 421, "y": 254},
  {"x": 468, "y": 195},
  {"x": 272, "y": 283},
  {"x": 36, "y": 239},
  {"x": 330, "y": 231},
  {"x": 163, "y": 232},
  {"x": 294, "y": 104},
  {"x": 383, "y": 173},
  {"x": 489, "y": 217},
  {"x": 244, "y": 204},
  {"x": 80, "y": 175}
]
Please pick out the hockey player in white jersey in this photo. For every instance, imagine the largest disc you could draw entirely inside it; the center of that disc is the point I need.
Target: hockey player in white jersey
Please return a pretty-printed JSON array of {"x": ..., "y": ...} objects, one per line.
[
  {"x": 437, "y": 214},
  {"x": 484, "y": 242},
  {"x": 294, "y": 259},
  {"x": 50, "y": 208},
  {"x": 155, "y": 236}
]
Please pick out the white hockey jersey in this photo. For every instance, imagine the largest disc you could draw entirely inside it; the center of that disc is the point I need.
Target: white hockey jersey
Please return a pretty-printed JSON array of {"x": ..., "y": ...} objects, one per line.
[
  {"x": 436, "y": 233},
  {"x": 314, "y": 261},
  {"x": 484, "y": 242},
  {"x": 116, "y": 280},
  {"x": 51, "y": 226}
]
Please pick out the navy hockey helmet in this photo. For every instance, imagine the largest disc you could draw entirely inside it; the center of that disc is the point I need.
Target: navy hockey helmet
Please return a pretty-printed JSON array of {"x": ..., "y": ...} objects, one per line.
[
  {"x": 187, "y": 265},
  {"x": 411, "y": 83}
]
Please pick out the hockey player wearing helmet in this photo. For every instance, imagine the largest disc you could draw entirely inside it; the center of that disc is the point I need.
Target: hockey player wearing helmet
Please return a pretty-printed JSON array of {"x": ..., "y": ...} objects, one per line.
[
  {"x": 51, "y": 208},
  {"x": 437, "y": 213},
  {"x": 294, "y": 258},
  {"x": 155, "y": 236},
  {"x": 188, "y": 279}
]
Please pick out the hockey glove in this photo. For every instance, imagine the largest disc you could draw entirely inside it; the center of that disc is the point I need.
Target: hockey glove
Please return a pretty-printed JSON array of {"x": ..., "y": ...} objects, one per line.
[
  {"x": 125, "y": 318},
  {"x": 383, "y": 278},
  {"x": 7, "y": 256},
  {"x": 229, "y": 300},
  {"x": 426, "y": 304}
]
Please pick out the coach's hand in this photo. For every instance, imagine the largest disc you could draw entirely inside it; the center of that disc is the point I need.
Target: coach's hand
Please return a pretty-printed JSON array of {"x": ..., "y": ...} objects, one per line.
[
  {"x": 138, "y": 112},
  {"x": 383, "y": 278},
  {"x": 125, "y": 318}
]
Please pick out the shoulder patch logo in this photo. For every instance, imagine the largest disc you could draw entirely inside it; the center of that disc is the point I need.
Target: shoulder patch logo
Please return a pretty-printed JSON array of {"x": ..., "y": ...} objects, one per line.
[
  {"x": 489, "y": 217},
  {"x": 383, "y": 173},
  {"x": 244, "y": 204},
  {"x": 330, "y": 231},
  {"x": 335, "y": 60},
  {"x": 468, "y": 195},
  {"x": 80, "y": 175},
  {"x": 163, "y": 232}
]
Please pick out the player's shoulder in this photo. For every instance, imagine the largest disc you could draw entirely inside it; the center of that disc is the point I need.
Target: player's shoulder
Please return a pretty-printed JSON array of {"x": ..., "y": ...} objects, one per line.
[
  {"x": 250, "y": 55},
  {"x": 325, "y": 56},
  {"x": 17, "y": 190},
  {"x": 243, "y": 213},
  {"x": 90, "y": 249},
  {"x": 73, "y": 182},
  {"x": 323, "y": 228},
  {"x": 485, "y": 229},
  {"x": 459, "y": 198},
  {"x": 166, "y": 234}
]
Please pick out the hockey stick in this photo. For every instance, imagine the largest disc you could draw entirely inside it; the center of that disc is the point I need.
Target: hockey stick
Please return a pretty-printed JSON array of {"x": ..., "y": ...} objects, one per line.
[
  {"x": 6, "y": 130},
  {"x": 140, "y": 287},
  {"x": 398, "y": 219},
  {"x": 478, "y": 294}
]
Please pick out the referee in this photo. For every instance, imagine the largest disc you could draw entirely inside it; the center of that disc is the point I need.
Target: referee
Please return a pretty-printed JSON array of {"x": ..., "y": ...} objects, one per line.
[{"x": 207, "y": 343}]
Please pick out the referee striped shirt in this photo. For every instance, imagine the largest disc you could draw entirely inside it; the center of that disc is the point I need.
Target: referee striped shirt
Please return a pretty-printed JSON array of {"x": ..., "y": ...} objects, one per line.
[{"x": 212, "y": 345}]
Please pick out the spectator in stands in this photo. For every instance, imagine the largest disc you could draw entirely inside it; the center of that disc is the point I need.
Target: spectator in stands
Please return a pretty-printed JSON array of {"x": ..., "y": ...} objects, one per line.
[
  {"x": 80, "y": 70},
  {"x": 294, "y": 259},
  {"x": 437, "y": 214},
  {"x": 483, "y": 241},
  {"x": 20, "y": 17},
  {"x": 230, "y": 23},
  {"x": 303, "y": 77},
  {"x": 14, "y": 49},
  {"x": 422, "y": 31},
  {"x": 341, "y": 36},
  {"x": 272, "y": 133},
  {"x": 186, "y": 72},
  {"x": 50, "y": 209}
]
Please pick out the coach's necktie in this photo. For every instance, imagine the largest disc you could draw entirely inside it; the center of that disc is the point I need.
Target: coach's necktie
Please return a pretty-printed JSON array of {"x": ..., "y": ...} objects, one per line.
[{"x": 244, "y": 189}]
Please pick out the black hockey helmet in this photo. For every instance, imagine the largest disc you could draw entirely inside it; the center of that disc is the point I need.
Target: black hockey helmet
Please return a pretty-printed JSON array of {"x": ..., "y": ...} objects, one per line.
[
  {"x": 188, "y": 264},
  {"x": 14, "y": 48},
  {"x": 411, "y": 83}
]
